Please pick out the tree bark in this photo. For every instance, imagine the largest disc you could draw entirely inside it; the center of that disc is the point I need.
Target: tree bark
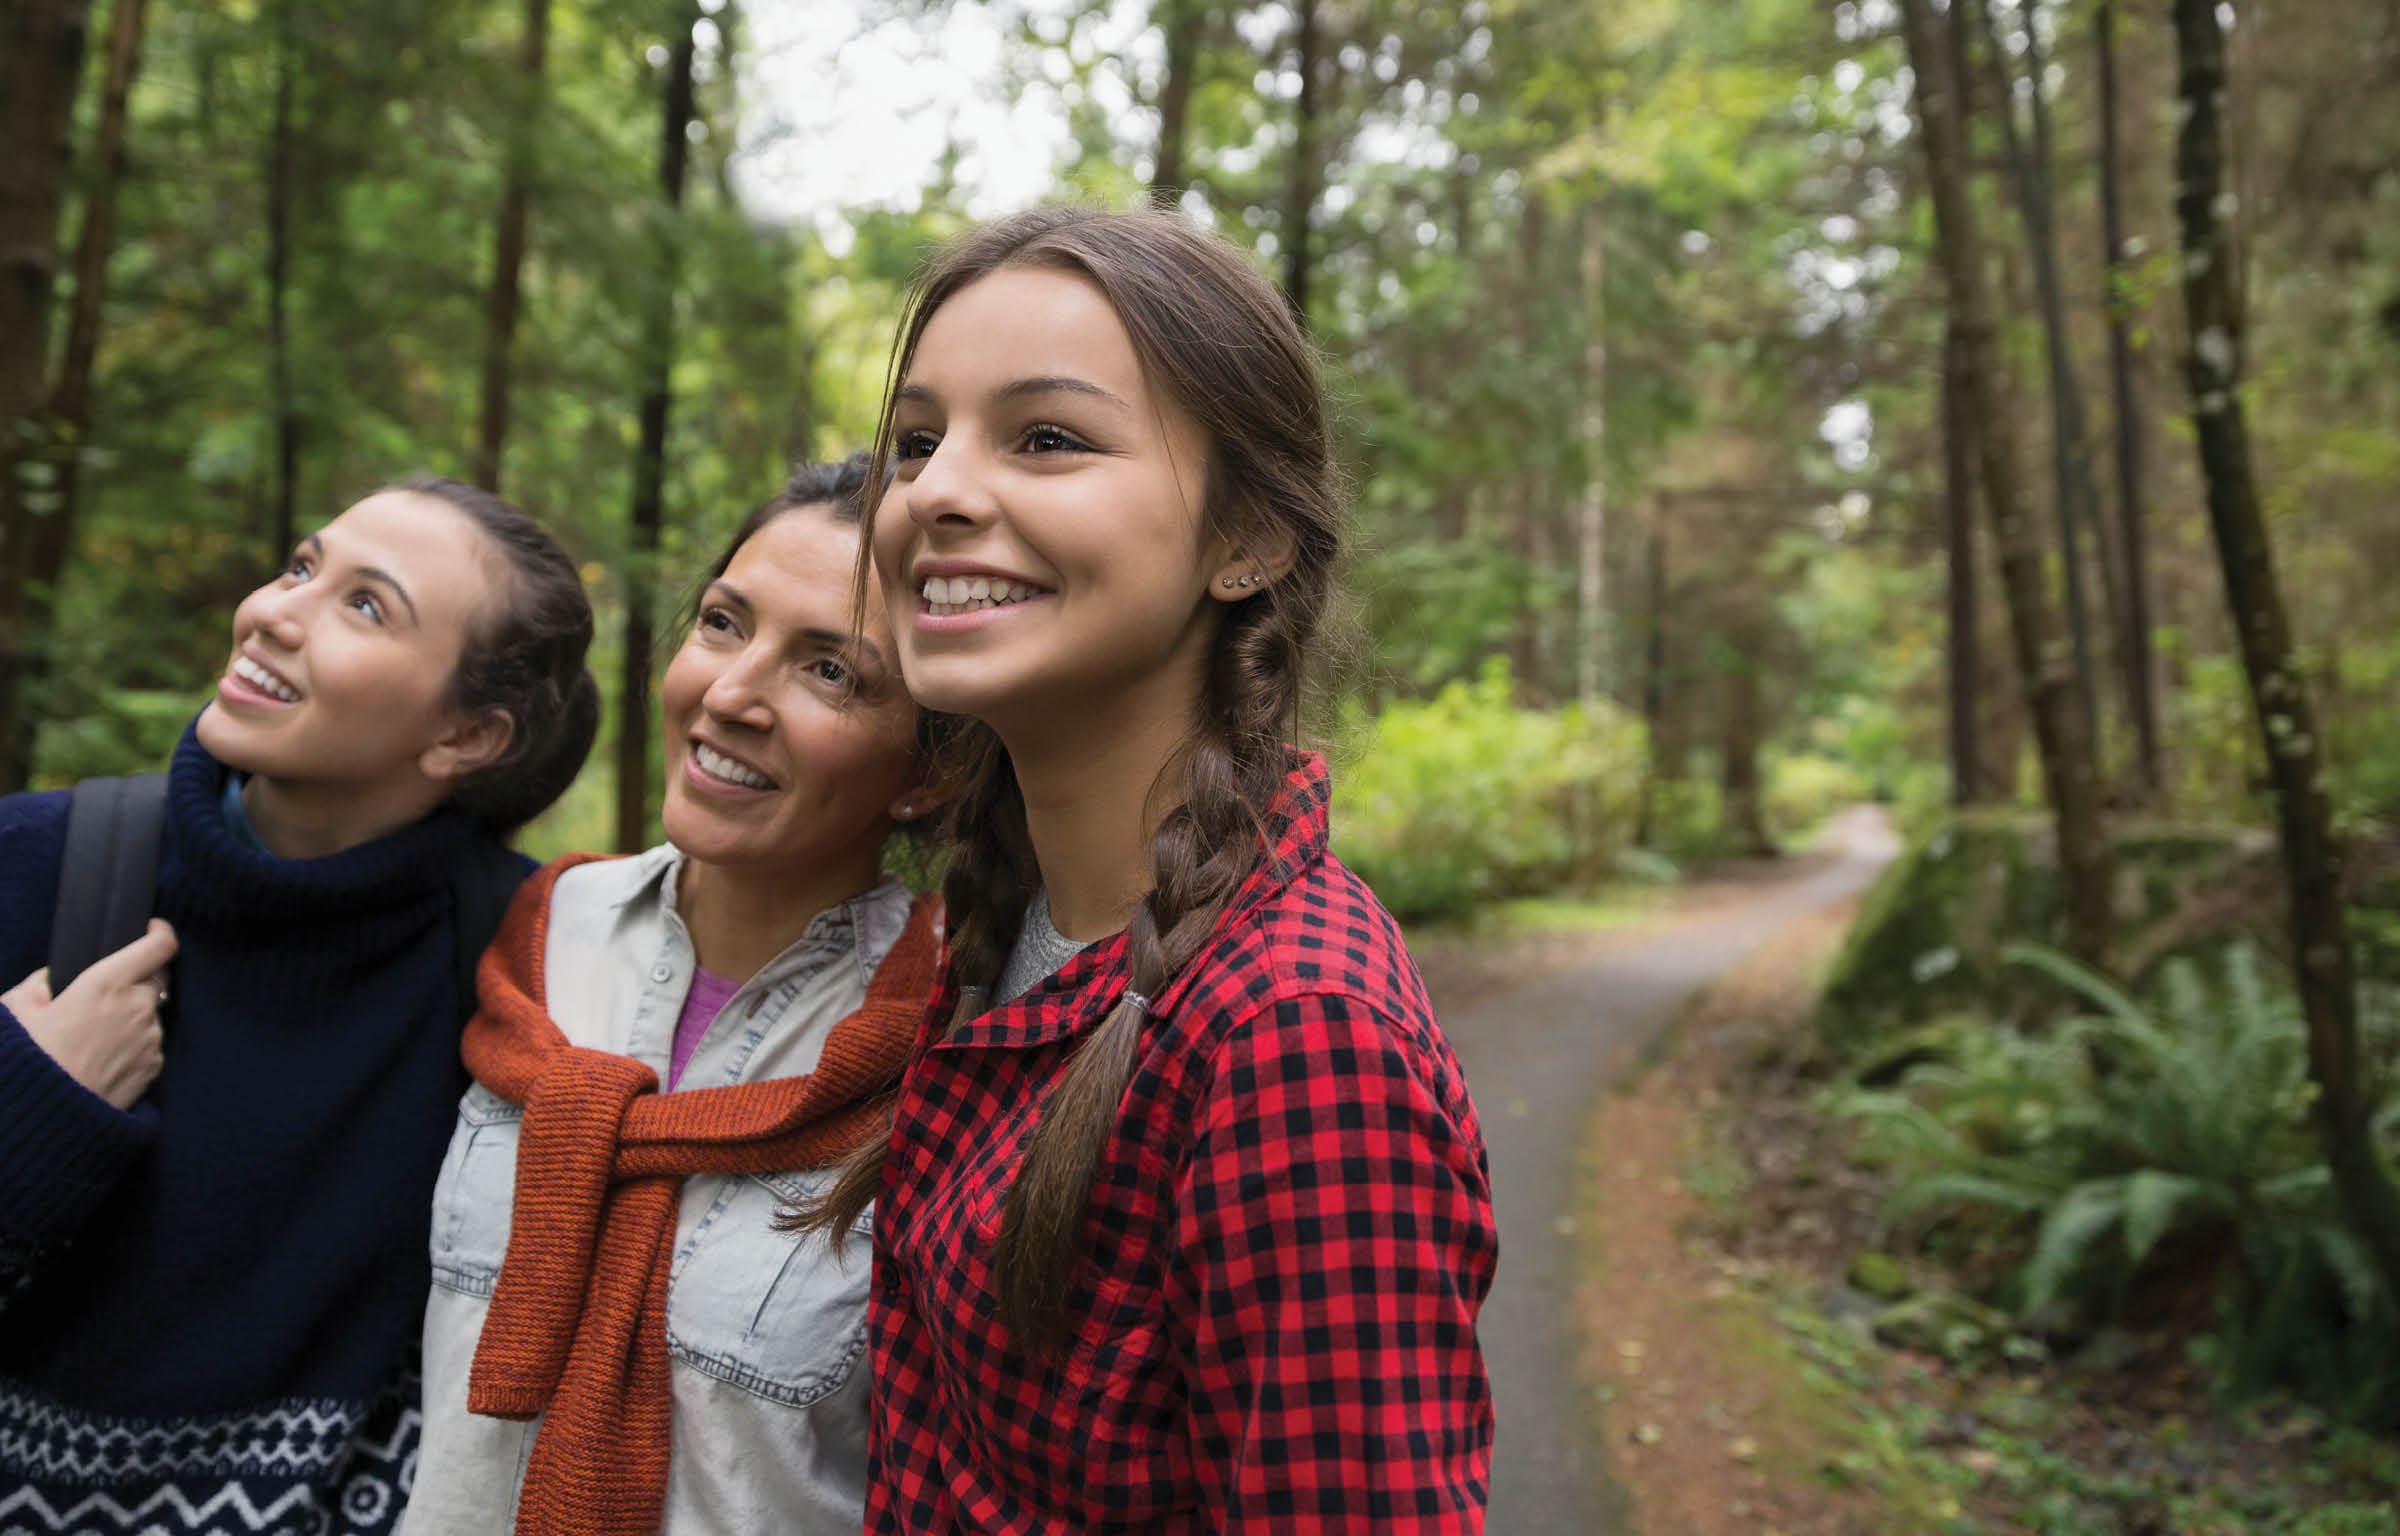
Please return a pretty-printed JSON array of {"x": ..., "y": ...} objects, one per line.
[
  {"x": 59, "y": 439},
  {"x": 1301, "y": 186},
  {"x": 2071, "y": 468},
  {"x": 650, "y": 465},
  {"x": 508, "y": 256},
  {"x": 2321, "y": 952},
  {"x": 1181, "y": 21},
  {"x": 1654, "y": 683},
  {"x": 1745, "y": 814},
  {"x": 1958, "y": 506},
  {"x": 1591, "y": 512},
  {"x": 2141, "y": 663},
  {"x": 279, "y": 255},
  {"x": 41, "y": 68},
  {"x": 1536, "y": 484},
  {"x": 2065, "y": 746}
]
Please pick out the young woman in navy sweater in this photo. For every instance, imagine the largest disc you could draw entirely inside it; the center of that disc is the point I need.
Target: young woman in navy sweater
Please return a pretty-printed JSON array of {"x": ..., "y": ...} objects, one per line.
[{"x": 218, "y": 1145}]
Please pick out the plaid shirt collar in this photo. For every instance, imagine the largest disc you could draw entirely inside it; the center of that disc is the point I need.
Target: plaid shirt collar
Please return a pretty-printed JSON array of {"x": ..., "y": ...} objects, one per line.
[{"x": 1062, "y": 1006}]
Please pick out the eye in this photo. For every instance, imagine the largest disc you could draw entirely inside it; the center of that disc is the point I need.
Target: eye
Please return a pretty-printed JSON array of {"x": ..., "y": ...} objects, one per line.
[
  {"x": 830, "y": 670},
  {"x": 911, "y": 446},
  {"x": 366, "y": 603},
  {"x": 298, "y": 569},
  {"x": 715, "y": 621},
  {"x": 1042, "y": 437}
]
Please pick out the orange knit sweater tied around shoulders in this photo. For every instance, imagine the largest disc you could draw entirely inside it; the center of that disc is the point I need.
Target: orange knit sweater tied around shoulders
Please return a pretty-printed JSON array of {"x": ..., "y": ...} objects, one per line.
[{"x": 577, "y": 1330}]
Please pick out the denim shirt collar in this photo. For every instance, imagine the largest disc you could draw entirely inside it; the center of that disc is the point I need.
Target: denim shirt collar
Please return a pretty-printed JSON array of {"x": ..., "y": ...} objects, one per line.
[{"x": 867, "y": 924}]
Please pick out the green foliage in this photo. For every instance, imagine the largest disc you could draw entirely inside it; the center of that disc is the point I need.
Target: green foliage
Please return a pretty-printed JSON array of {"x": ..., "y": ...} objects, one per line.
[
  {"x": 1802, "y": 791},
  {"x": 1467, "y": 796},
  {"x": 1687, "y": 819},
  {"x": 2143, "y": 1129}
]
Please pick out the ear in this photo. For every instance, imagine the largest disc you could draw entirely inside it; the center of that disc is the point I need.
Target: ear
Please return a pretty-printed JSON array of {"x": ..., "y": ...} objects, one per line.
[
  {"x": 470, "y": 742},
  {"x": 1244, "y": 567},
  {"x": 922, "y": 798}
]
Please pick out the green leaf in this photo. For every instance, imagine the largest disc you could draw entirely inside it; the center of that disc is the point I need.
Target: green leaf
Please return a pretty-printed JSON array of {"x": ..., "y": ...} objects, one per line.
[
  {"x": 2152, "y": 1202},
  {"x": 2067, "y": 1235}
]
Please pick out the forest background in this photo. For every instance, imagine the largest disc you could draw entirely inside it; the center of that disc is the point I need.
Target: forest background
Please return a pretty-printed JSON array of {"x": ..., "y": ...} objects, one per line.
[{"x": 1754, "y": 407}]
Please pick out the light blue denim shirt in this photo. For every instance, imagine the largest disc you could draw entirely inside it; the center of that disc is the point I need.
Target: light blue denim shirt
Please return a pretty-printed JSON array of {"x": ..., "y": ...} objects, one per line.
[{"x": 767, "y": 1333}]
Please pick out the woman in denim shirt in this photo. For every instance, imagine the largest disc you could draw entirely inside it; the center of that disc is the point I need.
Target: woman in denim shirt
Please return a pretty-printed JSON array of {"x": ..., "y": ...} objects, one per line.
[{"x": 723, "y": 992}]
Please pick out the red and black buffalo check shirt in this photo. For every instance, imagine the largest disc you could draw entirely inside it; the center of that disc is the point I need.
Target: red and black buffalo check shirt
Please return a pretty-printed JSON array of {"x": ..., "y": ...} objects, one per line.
[{"x": 1287, "y": 1244}]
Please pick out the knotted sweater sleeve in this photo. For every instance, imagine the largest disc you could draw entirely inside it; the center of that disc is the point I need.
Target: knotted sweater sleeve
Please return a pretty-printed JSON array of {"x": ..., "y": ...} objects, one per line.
[{"x": 62, "y": 1147}]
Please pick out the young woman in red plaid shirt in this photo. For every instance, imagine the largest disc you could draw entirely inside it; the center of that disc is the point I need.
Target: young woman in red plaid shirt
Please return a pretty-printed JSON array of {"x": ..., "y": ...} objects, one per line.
[{"x": 1185, "y": 1219}]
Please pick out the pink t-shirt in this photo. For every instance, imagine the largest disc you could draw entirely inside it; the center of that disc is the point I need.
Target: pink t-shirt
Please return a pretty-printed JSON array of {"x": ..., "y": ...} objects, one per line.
[{"x": 700, "y": 1008}]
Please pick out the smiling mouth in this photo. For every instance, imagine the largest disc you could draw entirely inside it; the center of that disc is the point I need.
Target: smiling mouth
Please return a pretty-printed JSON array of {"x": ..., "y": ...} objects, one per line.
[
  {"x": 729, "y": 770},
  {"x": 947, "y": 596},
  {"x": 263, "y": 679}
]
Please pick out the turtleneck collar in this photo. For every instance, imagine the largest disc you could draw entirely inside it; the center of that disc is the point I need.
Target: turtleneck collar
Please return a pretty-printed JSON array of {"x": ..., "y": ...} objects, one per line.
[{"x": 213, "y": 875}]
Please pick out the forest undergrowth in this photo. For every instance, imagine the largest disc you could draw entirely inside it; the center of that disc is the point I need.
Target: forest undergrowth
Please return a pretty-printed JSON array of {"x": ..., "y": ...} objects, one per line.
[{"x": 1762, "y": 1362}]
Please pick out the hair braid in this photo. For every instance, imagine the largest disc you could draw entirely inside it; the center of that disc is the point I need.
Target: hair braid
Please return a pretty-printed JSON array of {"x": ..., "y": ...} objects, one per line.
[
  {"x": 1231, "y": 770},
  {"x": 1215, "y": 336}
]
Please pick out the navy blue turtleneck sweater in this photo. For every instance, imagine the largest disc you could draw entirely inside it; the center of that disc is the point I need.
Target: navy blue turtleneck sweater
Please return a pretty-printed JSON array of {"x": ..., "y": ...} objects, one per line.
[{"x": 220, "y": 1291}]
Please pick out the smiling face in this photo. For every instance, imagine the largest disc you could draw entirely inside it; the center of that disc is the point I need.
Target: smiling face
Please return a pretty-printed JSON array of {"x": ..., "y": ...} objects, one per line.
[
  {"x": 342, "y": 666},
  {"x": 788, "y": 742},
  {"x": 1044, "y": 543}
]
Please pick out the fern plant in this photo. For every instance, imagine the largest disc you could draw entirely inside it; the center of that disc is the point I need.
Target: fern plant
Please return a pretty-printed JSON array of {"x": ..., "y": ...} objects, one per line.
[{"x": 2196, "y": 1129}]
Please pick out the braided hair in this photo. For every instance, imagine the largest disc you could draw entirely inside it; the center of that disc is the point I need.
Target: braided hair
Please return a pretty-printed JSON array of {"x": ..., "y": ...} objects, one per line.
[{"x": 1215, "y": 336}]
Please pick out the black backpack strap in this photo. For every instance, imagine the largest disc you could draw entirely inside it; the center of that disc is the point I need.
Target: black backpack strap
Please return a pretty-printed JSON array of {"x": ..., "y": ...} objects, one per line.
[
  {"x": 108, "y": 877},
  {"x": 486, "y": 880}
]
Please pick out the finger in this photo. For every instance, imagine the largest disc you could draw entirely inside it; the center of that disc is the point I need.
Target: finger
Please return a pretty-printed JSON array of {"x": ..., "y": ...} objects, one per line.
[{"x": 145, "y": 956}]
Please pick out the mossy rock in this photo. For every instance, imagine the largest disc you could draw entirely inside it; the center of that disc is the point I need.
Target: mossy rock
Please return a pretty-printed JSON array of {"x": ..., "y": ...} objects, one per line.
[
  {"x": 1929, "y": 940},
  {"x": 1879, "y": 1275},
  {"x": 1957, "y": 1328}
]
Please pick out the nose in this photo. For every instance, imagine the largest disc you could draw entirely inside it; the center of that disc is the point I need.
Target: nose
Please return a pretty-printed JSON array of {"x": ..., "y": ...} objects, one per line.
[
  {"x": 738, "y": 694},
  {"x": 948, "y": 493},
  {"x": 277, "y": 613}
]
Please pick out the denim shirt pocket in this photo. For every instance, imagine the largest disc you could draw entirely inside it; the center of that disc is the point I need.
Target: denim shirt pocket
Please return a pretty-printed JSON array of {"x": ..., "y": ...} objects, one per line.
[
  {"x": 775, "y": 1314},
  {"x": 475, "y": 1194}
]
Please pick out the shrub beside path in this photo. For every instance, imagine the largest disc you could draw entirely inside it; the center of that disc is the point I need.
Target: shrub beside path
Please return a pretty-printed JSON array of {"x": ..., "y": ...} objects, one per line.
[{"x": 1539, "y": 1059}]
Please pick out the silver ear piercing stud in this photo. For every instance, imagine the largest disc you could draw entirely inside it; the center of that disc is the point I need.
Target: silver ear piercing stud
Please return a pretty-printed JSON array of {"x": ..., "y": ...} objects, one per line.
[{"x": 1231, "y": 582}]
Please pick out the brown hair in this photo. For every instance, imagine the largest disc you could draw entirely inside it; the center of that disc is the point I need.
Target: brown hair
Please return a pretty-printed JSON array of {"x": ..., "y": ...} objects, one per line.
[
  {"x": 525, "y": 660},
  {"x": 1213, "y": 334}
]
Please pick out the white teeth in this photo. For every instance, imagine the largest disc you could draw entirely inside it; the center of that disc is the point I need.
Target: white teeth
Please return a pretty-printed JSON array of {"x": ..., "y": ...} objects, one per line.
[
  {"x": 718, "y": 766},
  {"x": 946, "y": 595},
  {"x": 264, "y": 681}
]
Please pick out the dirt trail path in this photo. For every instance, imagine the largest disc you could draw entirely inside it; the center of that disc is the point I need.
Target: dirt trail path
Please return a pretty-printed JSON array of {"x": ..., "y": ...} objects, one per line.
[{"x": 1538, "y": 1059}]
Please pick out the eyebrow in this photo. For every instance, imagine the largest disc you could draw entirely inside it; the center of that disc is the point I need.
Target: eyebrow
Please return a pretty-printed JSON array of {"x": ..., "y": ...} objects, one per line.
[
  {"x": 1019, "y": 389},
  {"x": 831, "y": 639},
  {"x": 316, "y": 546}
]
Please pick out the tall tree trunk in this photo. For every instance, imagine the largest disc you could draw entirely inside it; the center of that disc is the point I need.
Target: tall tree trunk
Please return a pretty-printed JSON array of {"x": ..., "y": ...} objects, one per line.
[
  {"x": 41, "y": 67},
  {"x": 2141, "y": 664},
  {"x": 508, "y": 257},
  {"x": 1745, "y": 813},
  {"x": 2279, "y": 694},
  {"x": 1302, "y": 183},
  {"x": 1958, "y": 517},
  {"x": 60, "y": 439},
  {"x": 1181, "y": 21},
  {"x": 650, "y": 466},
  {"x": 2059, "y": 727},
  {"x": 2071, "y": 469},
  {"x": 1654, "y": 682},
  {"x": 1536, "y": 485},
  {"x": 279, "y": 256},
  {"x": 1591, "y": 512}
]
